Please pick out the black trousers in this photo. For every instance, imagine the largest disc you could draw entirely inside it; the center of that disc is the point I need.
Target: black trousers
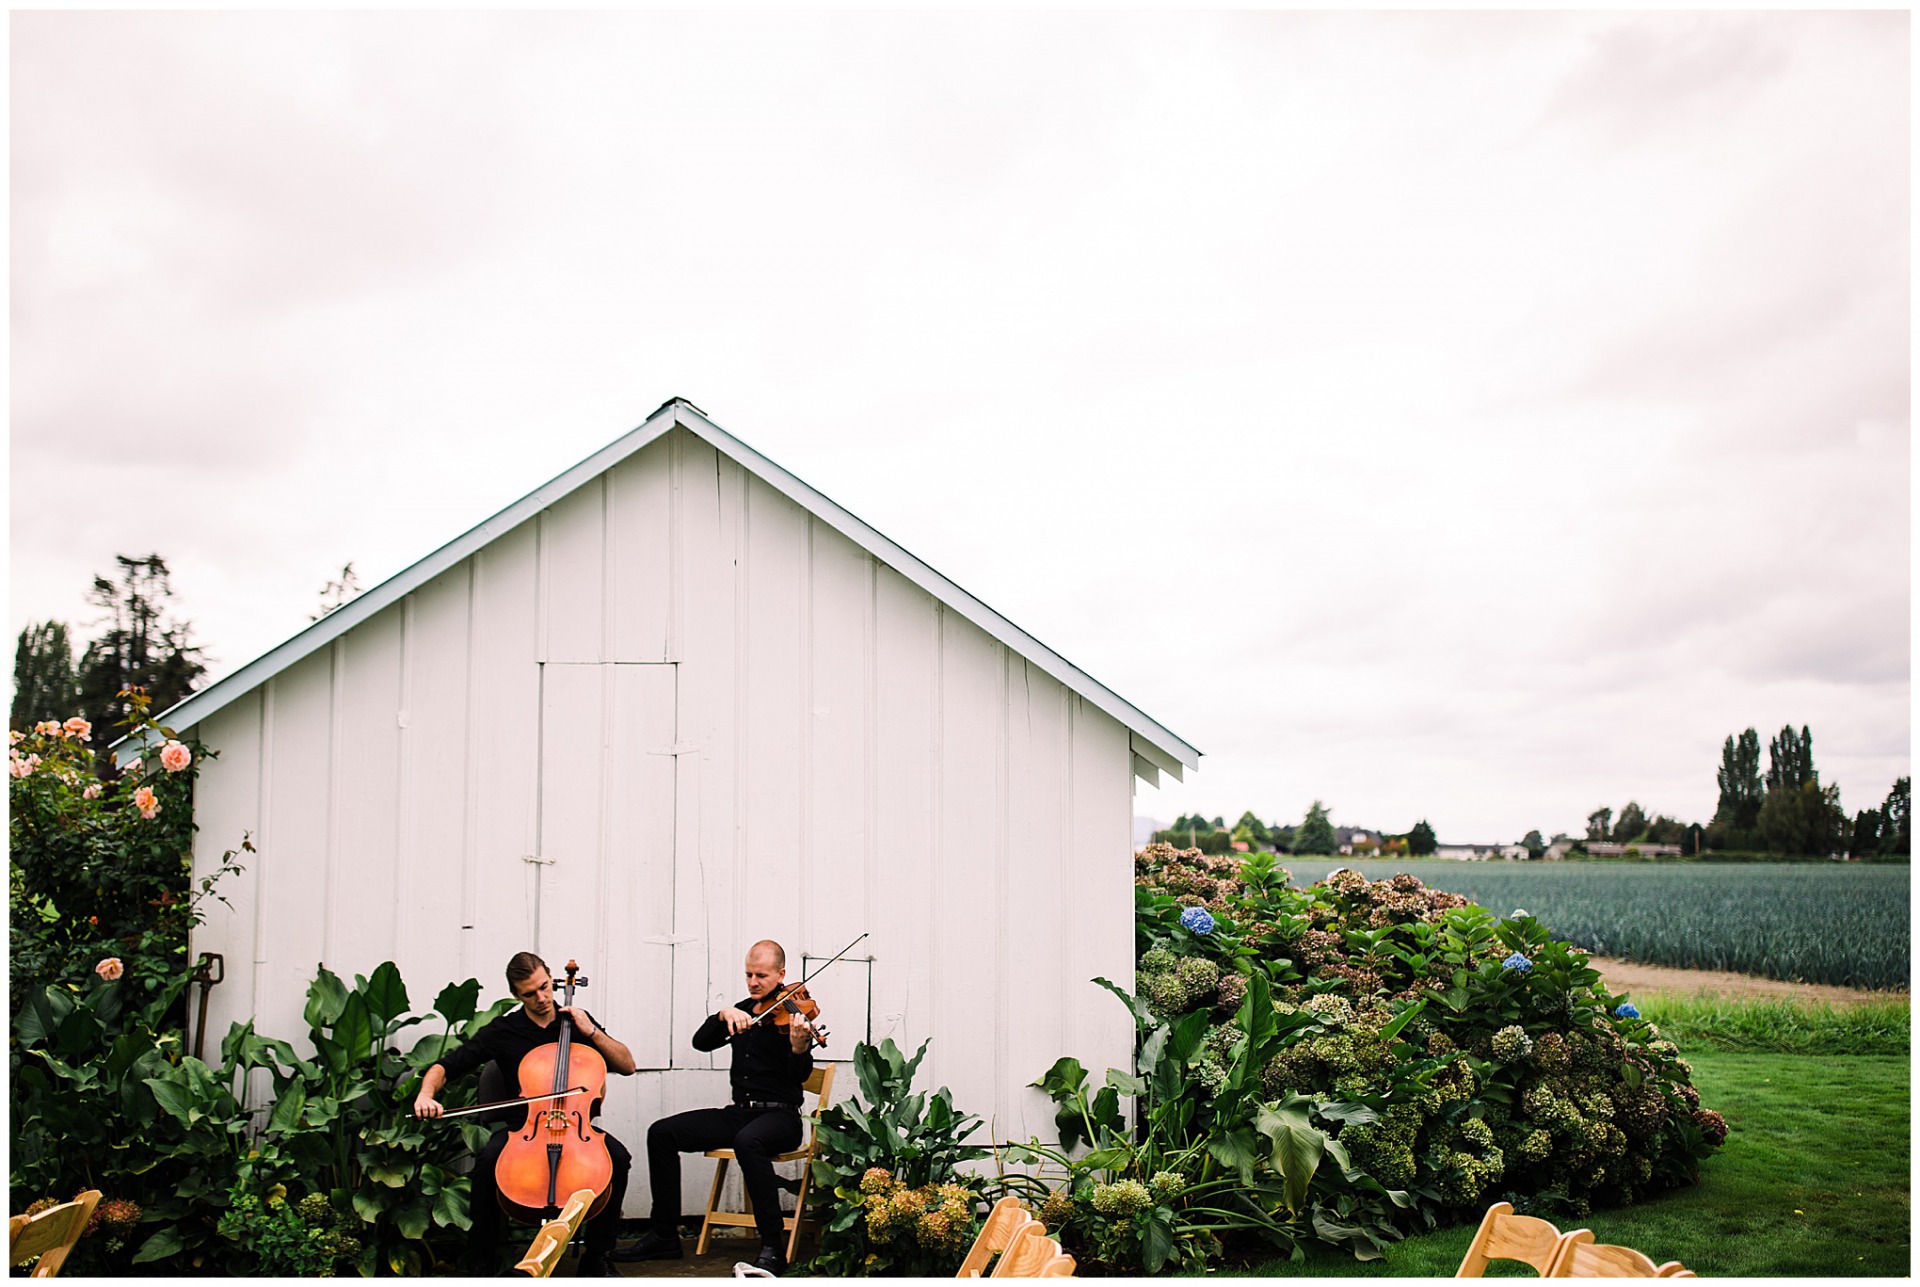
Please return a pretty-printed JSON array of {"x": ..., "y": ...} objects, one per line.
[
  {"x": 756, "y": 1135},
  {"x": 489, "y": 1221}
]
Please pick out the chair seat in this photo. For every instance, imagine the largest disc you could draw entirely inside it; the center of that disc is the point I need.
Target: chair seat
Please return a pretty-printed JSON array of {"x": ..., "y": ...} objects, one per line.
[{"x": 793, "y": 1156}]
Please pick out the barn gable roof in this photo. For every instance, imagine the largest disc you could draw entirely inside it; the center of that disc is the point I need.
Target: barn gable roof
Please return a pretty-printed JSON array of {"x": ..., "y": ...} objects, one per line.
[{"x": 1155, "y": 748}]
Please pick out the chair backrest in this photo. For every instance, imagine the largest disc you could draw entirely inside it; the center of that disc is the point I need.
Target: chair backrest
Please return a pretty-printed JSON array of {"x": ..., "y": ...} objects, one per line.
[
  {"x": 1588, "y": 1259},
  {"x": 1505, "y": 1236},
  {"x": 49, "y": 1235},
  {"x": 543, "y": 1254},
  {"x": 1674, "y": 1269},
  {"x": 1028, "y": 1252},
  {"x": 1061, "y": 1266},
  {"x": 819, "y": 1084},
  {"x": 1005, "y": 1219},
  {"x": 574, "y": 1211}
]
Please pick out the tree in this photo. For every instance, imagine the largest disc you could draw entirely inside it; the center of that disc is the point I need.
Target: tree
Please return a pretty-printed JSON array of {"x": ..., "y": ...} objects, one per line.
[
  {"x": 1420, "y": 841},
  {"x": 1790, "y": 760},
  {"x": 1534, "y": 845},
  {"x": 1315, "y": 835},
  {"x": 1632, "y": 824},
  {"x": 1740, "y": 791},
  {"x": 1600, "y": 824},
  {"x": 1866, "y": 834},
  {"x": 1662, "y": 830},
  {"x": 1896, "y": 820},
  {"x": 334, "y": 594},
  {"x": 142, "y": 647},
  {"x": 1256, "y": 829},
  {"x": 1803, "y": 819},
  {"x": 44, "y": 684}
]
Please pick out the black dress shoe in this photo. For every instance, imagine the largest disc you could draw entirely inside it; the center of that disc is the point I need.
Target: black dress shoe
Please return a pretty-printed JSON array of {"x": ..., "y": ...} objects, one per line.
[
  {"x": 770, "y": 1260},
  {"x": 594, "y": 1264},
  {"x": 651, "y": 1245}
]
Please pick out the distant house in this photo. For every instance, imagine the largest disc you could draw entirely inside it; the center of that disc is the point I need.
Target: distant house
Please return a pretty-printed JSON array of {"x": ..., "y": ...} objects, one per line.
[
  {"x": 1612, "y": 849},
  {"x": 1473, "y": 853}
]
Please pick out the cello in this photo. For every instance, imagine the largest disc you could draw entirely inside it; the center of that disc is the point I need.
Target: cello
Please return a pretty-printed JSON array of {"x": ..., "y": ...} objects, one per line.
[{"x": 558, "y": 1150}]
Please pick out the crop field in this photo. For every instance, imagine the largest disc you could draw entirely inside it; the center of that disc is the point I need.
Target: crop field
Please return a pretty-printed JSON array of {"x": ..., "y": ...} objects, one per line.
[{"x": 1841, "y": 923}]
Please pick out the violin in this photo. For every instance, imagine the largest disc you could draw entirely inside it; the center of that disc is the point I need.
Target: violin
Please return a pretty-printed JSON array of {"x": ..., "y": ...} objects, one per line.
[
  {"x": 558, "y": 1150},
  {"x": 790, "y": 1004}
]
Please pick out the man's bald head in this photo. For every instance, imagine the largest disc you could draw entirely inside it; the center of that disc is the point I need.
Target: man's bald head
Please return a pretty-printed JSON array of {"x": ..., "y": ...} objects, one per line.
[{"x": 769, "y": 951}]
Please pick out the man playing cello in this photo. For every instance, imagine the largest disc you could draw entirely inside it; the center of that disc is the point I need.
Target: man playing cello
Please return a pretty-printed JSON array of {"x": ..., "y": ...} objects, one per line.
[
  {"x": 508, "y": 1040},
  {"x": 769, "y": 1067}
]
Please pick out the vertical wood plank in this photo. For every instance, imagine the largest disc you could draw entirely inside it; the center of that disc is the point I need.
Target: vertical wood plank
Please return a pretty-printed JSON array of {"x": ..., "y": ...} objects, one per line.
[
  {"x": 226, "y": 811},
  {"x": 640, "y": 564},
  {"x": 574, "y": 533}
]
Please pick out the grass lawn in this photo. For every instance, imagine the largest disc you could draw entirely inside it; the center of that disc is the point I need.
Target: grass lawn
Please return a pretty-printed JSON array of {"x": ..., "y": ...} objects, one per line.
[{"x": 1812, "y": 1182}]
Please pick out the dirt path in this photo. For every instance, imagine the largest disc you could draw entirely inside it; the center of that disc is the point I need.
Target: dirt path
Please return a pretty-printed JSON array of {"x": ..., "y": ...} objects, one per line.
[{"x": 1628, "y": 976}]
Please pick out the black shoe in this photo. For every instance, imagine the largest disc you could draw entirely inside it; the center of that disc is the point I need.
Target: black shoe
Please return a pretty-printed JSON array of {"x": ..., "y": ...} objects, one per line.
[
  {"x": 651, "y": 1245},
  {"x": 770, "y": 1260},
  {"x": 594, "y": 1264}
]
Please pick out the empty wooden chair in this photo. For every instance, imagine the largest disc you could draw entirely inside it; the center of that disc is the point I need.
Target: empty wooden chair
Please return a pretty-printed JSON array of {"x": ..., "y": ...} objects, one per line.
[
  {"x": 1589, "y": 1259},
  {"x": 819, "y": 1084},
  {"x": 1005, "y": 1219},
  {"x": 49, "y": 1235},
  {"x": 1505, "y": 1236},
  {"x": 1032, "y": 1254},
  {"x": 1674, "y": 1269}
]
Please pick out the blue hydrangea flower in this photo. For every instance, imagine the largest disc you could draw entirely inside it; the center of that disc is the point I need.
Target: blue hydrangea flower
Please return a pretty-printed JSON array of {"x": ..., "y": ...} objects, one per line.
[
  {"x": 1627, "y": 1010},
  {"x": 1197, "y": 920},
  {"x": 1517, "y": 962}
]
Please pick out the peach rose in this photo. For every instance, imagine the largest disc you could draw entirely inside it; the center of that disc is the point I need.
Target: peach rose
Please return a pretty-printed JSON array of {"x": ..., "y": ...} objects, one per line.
[
  {"x": 48, "y": 726},
  {"x": 14, "y": 737},
  {"x": 92, "y": 792},
  {"x": 19, "y": 767},
  {"x": 145, "y": 801},
  {"x": 110, "y": 969},
  {"x": 77, "y": 727},
  {"x": 174, "y": 757}
]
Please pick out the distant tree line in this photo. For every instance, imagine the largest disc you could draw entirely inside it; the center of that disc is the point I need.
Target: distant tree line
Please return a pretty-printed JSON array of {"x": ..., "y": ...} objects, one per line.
[
  {"x": 142, "y": 646},
  {"x": 1314, "y": 834}
]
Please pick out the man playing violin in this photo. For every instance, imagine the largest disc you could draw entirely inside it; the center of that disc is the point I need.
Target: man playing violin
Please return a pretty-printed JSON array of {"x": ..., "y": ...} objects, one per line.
[
  {"x": 508, "y": 1040},
  {"x": 770, "y": 1063}
]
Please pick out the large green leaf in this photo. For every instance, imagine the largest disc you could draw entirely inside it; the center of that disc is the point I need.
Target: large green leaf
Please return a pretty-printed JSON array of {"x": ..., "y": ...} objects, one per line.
[
  {"x": 287, "y": 1109},
  {"x": 326, "y": 998},
  {"x": 1297, "y": 1146},
  {"x": 456, "y": 1001},
  {"x": 1156, "y": 1242},
  {"x": 386, "y": 995},
  {"x": 1401, "y": 1020},
  {"x": 176, "y": 1097},
  {"x": 412, "y": 1219},
  {"x": 450, "y": 1207},
  {"x": 165, "y": 1242},
  {"x": 354, "y": 1029},
  {"x": 1142, "y": 1016}
]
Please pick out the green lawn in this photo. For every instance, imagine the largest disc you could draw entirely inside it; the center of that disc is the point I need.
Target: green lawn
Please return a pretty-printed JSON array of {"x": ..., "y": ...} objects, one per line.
[{"x": 1812, "y": 1182}]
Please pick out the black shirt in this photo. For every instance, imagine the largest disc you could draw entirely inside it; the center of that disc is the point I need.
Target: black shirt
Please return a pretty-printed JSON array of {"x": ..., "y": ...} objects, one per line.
[
  {"x": 765, "y": 1069},
  {"x": 507, "y": 1039}
]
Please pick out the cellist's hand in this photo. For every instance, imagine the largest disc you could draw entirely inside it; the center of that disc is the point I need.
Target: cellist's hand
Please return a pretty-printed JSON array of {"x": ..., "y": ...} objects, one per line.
[
  {"x": 425, "y": 1105},
  {"x": 582, "y": 1024},
  {"x": 736, "y": 1020}
]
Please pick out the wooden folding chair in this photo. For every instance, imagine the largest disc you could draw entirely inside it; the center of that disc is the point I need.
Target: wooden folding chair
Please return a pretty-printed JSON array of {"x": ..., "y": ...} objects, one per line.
[
  {"x": 1589, "y": 1259},
  {"x": 49, "y": 1235},
  {"x": 819, "y": 1084},
  {"x": 1674, "y": 1269},
  {"x": 1031, "y": 1254},
  {"x": 550, "y": 1243},
  {"x": 1505, "y": 1236},
  {"x": 1006, "y": 1218}
]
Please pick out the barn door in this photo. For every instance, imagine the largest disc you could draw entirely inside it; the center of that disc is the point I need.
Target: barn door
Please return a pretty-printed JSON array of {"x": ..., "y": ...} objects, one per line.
[{"x": 605, "y": 886}]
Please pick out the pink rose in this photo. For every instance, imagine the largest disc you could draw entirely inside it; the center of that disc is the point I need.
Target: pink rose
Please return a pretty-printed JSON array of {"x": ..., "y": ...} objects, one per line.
[
  {"x": 145, "y": 801},
  {"x": 110, "y": 969},
  {"x": 77, "y": 727},
  {"x": 174, "y": 757},
  {"x": 14, "y": 736},
  {"x": 48, "y": 726},
  {"x": 92, "y": 792},
  {"x": 19, "y": 767}
]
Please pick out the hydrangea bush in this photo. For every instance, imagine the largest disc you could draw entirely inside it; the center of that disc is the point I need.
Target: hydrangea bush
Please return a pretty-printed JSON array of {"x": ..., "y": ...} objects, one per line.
[{"x": 1425, "y": 1056}]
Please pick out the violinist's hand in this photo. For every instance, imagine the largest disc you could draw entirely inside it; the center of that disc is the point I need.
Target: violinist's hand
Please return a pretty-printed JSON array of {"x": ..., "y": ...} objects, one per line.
[
  {"x": 736, "y": 1020},
  {"x": 425, "y": 1105},
  {"x": 800, "y": 1035},
  {"x": 582, "y": 1024}
]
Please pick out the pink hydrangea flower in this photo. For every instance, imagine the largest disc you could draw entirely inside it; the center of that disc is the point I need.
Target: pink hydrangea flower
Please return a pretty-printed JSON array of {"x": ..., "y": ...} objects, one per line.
[
  {"x": 174, "y": 757},
  {"x": 80, "y": 728},
  {"x": 145, "y": 801},
  {"x": 110, "y": 969}
]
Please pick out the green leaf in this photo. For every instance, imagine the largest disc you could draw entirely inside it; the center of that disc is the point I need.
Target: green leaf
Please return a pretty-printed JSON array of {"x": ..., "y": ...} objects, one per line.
[
  {"x": 173, "y": 1096},
  {"x": 1402, "y": 1019},
  {"x": 326, "y": 998},
  {"x": 456, "y": 1001},
  {"x": 1237, "y": 1148},
  {"x": 165, "y": 1242},
  {"x": 1297, "y": 1146},
  {"x": 369, "y": 1203},
  {"x": 1135, "y": 1006},
  {"x": 287, "y": 1109},
  {"x": 1156, "y": 1243},
  {"x": 354, "y": 1029},
  {"x": 1126, "y": 1083},
  {"x": 450, "y": 1208},
  {"x": 412, "y": 1219},
  {"x": 1065, "y": 1077},
  {"x": 386, "y": 995}
]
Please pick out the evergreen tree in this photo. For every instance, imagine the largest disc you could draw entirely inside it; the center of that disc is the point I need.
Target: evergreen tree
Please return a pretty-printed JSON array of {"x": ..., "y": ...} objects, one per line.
[
  {"x": 1803, "y": 819},
  {"x": 44, "y": 683},
  {"x": 1315, "y": 835},
  {"x": 1866, "y": 834},
  {"x": 142, "y": 647},
  {"x": 1790, "y": 760},
  {"x": 1600, "y": 824},
  {"x": 1420, "y": 840},
  {"x": 1256, "y": 829}
]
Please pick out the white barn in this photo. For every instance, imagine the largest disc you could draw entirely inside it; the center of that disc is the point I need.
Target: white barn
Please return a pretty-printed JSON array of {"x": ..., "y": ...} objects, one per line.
[{"x": 672, "y": 702}]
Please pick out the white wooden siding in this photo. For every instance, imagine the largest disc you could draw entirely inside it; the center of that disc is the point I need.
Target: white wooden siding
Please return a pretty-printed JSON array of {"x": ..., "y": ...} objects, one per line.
[{"x": 712, "y": 718}]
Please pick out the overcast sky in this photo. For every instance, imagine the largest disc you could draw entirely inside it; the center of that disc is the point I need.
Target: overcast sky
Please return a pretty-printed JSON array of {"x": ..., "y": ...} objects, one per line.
[{"x": 1464, "y": 417}]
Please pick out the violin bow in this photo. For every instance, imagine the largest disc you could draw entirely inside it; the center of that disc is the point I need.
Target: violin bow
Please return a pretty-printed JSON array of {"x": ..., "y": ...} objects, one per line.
[
  {"x": 514, "y": 1103},
  {"x": 792, "y": 988}
]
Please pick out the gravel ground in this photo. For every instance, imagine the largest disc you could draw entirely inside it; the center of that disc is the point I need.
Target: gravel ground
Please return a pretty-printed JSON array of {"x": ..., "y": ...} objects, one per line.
[{"x": 1629, "y": 976}]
